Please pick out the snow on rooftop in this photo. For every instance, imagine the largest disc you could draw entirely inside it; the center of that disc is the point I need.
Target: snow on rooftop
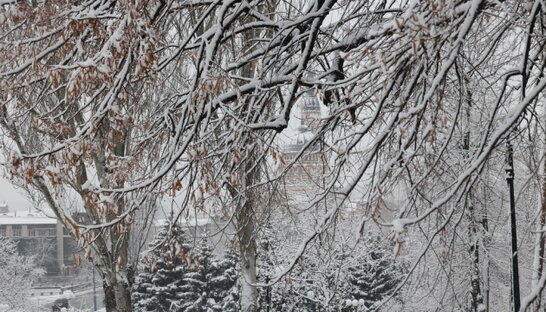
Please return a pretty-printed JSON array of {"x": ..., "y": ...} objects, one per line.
[
  {"x": 184, "y": 222},
  {"x": 15, "y": 217}
]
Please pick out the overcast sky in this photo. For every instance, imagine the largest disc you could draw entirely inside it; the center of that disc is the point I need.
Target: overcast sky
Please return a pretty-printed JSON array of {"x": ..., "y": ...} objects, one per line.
[{"x": 15, "y": 199}]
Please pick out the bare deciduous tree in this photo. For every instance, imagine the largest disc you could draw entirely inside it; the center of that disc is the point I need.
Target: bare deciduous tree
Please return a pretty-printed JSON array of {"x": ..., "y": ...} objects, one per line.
[{"x": 118, "y": 102}]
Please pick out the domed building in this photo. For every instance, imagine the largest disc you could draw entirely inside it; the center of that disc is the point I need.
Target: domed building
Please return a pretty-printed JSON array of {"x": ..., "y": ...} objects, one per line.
[
  {"x": 310, "y": 111},
  {"x": 305, "y": 176}
]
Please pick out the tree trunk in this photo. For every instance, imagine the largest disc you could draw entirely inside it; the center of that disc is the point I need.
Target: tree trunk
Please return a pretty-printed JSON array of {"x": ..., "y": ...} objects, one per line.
[
  {"x": 486, "y": 263},
  {"x": 117, "y": 278},
  {"x": 249, "y": 293},
  {"x": 117, "y": 295},
  {"x": 247, "y": 241},
  {"x": 476, "y": 295},
  {"x": 245, "y": 214}
]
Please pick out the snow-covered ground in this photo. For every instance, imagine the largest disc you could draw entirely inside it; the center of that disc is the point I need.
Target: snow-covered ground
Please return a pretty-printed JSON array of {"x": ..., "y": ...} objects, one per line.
[{"x": 79, "y": 301}]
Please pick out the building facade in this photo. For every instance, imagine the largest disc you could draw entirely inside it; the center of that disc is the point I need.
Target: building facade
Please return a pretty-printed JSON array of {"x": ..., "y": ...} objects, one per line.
[
  {"x": 40, "y": 236},
  {"x": 306, "y": 175}
]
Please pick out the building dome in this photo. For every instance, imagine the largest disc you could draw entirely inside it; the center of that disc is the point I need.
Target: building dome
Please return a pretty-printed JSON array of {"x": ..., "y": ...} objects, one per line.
[
  {"x": 310, "y": 115},
  {"x": 298, "y": 141}
]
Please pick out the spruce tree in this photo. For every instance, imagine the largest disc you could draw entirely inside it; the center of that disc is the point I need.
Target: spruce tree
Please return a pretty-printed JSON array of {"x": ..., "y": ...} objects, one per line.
[
  {"x": 223, "y": 287},
  {"x": 192, "y": 281},
  {"x": 192, "y": 291},
  {"x": 157, "y": 285},
  {"x": 211, "y": 285},
  {"x": 375, "y": 276}
]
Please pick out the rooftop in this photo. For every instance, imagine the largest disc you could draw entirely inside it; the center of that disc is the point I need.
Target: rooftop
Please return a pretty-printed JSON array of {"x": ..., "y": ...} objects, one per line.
[
  {"x": 298, "y": 141},
  {"x": 184, "y": 222},
  {"x": 19, "y": 217}
]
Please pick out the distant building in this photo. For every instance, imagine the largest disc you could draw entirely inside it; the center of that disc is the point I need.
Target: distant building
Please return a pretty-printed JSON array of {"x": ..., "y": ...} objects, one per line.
[
  {"x": 39, "y": 234},
  {"x": 306, "y": 176},
  {"x": 310, "y": 111}
]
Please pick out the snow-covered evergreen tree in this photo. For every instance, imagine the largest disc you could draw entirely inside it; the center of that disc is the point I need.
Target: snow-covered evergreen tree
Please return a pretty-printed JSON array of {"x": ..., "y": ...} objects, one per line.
[
  {"x": 212, "y": 286},
  {"x": 276, "y": 297},
  {"x": 157, "y": 286},
  {"x": 333, "y": 276},
  {"x": 191, "y": 293},
  {"x": 222, "y": 285},
  {"x": 375, "y": 275},
  {"x": 194, "y": 280}
]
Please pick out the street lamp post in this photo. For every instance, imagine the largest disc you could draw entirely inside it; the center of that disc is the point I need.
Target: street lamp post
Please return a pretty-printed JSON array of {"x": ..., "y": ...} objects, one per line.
[
  {"x": 94, "y": 292},
  {"x": 515, "y": 267}
]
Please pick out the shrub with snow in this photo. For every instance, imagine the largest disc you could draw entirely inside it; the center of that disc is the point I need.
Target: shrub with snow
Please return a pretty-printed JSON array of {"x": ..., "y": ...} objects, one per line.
[
  {"x": 16, "y": 276},
  {"x": 185, "y": 279}
]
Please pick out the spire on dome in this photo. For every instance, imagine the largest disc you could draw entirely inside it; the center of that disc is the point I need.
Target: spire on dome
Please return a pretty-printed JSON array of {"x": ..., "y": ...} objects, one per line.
[
  {"x": 310, "y": 111},
  {"x": 310, "y": 117}
]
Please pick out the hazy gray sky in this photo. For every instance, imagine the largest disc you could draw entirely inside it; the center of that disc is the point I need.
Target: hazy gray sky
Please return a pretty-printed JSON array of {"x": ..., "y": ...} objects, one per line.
[{"x": 15, "y": 199}]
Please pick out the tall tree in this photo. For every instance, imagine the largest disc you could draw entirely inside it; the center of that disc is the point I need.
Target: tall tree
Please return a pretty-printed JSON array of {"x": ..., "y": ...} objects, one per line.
[
  {"x": 108, "y": 105},
  {"x": 77, "y": 139}
]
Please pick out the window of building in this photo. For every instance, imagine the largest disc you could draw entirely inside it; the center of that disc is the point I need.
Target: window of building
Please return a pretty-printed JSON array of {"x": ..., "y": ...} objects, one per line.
[
  {"x": 48, "y": 232},
  {"x": 40, "y": 232},
  {"x": 16, "y": 232}
]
